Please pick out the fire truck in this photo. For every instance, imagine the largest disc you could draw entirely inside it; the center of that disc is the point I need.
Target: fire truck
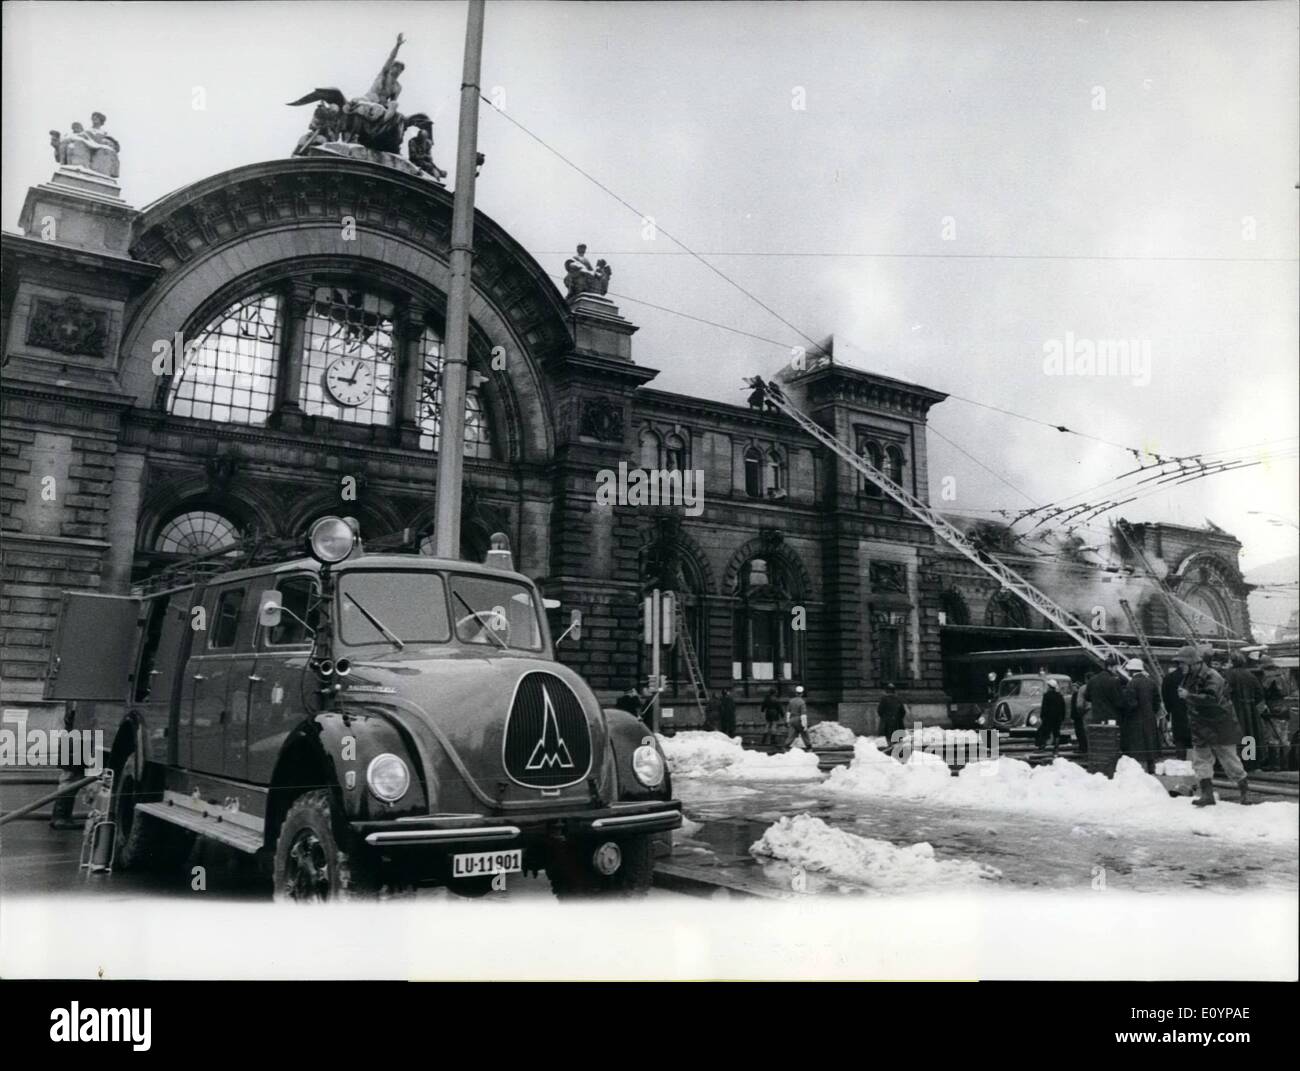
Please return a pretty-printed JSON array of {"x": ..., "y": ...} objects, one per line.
[{"x": 360, "y": 722}]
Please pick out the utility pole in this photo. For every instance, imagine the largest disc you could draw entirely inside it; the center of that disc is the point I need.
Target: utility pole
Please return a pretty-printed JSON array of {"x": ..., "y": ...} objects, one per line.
[{"x": 455, "y": 363}]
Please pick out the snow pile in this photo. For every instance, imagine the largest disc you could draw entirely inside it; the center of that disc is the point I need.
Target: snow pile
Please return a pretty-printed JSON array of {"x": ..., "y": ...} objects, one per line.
[
  {"x": 720, "y": 757},
  {"x": 831, "y": 734},
  {"x": 1175, "y": 768},
  {"x": 811, "y": 845},
  {"x": 934, "y": 737},
  {"x": 1062, "y": 788},
  {"x": 692, "y": 754}
]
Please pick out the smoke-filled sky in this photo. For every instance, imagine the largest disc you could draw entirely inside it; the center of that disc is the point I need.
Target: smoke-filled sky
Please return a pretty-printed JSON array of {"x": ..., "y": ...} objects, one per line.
[{"x": 1013, "y": 180}]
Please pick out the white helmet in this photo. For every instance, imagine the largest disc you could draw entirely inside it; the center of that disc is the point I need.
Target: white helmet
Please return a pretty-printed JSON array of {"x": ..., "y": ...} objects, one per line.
[{"x": 1135, "y": 665}]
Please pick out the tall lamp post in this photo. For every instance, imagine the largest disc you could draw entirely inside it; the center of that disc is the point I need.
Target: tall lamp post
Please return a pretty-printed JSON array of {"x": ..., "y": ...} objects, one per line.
[{"x": 455, "y": 366}]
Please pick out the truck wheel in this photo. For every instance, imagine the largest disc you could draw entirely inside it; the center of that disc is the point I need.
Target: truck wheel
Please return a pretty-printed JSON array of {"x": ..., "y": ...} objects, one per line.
[
  {"x": 142, "y": 841},
  {"x": 573, "y": 873},
  {"x": 310, "y": 864}
]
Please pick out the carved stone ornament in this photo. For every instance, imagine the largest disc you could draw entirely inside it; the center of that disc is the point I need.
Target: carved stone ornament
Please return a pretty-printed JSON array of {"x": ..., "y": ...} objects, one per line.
[
  {"x": 602, "y": 419},
  {"x": 68, "y": 326},
  {"x": 581, "y": 278},
  {"x": 888, "y": 577}
]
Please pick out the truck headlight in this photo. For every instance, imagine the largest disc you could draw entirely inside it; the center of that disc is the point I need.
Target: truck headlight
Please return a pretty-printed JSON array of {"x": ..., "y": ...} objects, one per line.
[
  {"x": 331, "y": 539},
  {"x": 648, "y": 765},
  {"x": 388, "y": 777},
  {"x": 1033, "y": 720}
]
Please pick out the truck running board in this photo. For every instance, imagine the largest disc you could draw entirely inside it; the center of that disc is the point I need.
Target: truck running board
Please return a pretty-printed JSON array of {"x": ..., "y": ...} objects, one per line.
[{"x": 214, "y": 827}]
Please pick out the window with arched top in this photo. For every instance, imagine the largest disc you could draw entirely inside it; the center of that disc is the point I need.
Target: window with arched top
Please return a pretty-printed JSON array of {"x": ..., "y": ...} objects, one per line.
[
  {"x": 195, "y": 532},
  {"x": 774, "y": 473},
  {"x": 869, "y": 450},
  {"x": 893, "y": 464},
  {"x": 765, "y": 644},
  {"x": 674, "y": 452},
  {"x": 336, "y": 351},
  {"x": 228, "y": 371},
  {"x": 753, "y": 472},
  {"x": 648, "y": 445}
]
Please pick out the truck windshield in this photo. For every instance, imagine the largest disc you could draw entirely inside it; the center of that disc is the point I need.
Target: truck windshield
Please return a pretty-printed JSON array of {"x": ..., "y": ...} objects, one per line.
[
  {"x": 495, "y": 613},
  {"x": 411, "y": 606}
]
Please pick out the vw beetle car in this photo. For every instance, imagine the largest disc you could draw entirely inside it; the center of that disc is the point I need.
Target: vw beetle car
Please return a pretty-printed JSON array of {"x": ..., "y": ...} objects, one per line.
[
  {"x": 1017, "y": 707},
  {"x": 363, "y": 721}
]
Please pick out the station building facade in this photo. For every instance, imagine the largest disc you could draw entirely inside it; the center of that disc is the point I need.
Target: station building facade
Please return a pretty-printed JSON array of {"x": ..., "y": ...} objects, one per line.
[{"x": 264, "y": 347}]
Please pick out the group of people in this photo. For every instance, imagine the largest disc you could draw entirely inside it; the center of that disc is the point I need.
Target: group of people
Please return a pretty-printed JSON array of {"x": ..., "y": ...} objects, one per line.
[{"x": 1226, "y": 718}]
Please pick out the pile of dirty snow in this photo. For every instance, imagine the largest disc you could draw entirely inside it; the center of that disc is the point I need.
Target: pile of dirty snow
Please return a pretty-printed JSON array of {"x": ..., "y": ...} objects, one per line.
[
  {"x": 1061, "y": 788},
  {"x": 1175, "y": 768},
  {"x": 720, "y": 757},
  {"x": 831, "y": 734},
  {"x": 812, "y": 845}
]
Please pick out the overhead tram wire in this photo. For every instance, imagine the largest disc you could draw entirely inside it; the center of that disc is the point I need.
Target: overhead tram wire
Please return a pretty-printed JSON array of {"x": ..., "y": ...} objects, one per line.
[
  {"x": 816, "y": 346},
  {"x": 868, "y": 255}
]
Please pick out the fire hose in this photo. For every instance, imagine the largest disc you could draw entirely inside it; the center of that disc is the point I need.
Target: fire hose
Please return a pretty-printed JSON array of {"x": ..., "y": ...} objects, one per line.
[{"x": 35, "y": 805}]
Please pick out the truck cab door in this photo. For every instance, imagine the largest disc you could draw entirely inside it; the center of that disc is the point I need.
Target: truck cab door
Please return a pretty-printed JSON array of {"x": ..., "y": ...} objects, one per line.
[
  {"x": 216, "y": 674},
  {"x": 156, "y": 687},
  {"x": 280, "y": 675}
]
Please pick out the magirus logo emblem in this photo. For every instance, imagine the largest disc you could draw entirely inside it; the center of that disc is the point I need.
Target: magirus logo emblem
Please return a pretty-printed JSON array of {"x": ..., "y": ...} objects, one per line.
[
  {"x": 551, "y": 749},
  {"x": 547, "y": 741}
]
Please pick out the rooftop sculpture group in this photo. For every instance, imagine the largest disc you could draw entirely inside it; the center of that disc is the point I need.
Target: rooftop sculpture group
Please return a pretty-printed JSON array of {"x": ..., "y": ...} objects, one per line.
[
  {"x": 371, "y": 121},
  {"x": 94, "y": 149},
  {"x": 581, "y": 278}
]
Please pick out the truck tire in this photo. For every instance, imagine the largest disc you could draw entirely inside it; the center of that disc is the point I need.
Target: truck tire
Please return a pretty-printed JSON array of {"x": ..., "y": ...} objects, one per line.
[
  {"x": 142, "y": 841},
  {"x": 573, "y": 876},
  {"x": 310, "y": 863}
]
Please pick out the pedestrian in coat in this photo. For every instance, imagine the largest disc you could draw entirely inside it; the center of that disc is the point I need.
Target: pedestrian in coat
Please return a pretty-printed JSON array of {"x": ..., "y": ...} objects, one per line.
[
  {"x": 772, "y": 714},
  {"x": 1177, "y": 708},
  {"x": 727, "y": 712},
  {"x": 890, "y": 713},
  {"x": 1107, "y": 695},
  {"x": 1139, "y": 731},
  {"x": 630, "y": 702},
  {"x": 796, "y": 720},
  {"x": 1052, "y": 713},
  {"x": 1079, "y": 716},
  {"x": 1215, "y": 734},
  {"x": 1247, "y": 695}
]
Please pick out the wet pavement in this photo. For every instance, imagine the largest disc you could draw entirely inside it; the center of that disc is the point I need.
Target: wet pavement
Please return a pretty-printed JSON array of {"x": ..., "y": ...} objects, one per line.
[{"x": 1031, "y": 851}]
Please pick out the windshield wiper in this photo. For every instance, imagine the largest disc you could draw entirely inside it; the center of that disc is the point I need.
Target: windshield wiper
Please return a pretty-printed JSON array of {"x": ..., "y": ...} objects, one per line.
[
  {"x": 483, "y": 626},
  {"x": 376, "y": 622}
]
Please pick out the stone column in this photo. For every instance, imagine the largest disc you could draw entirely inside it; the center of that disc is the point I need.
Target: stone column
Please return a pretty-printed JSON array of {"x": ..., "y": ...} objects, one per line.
[
  {"x": 410, "y": 374},
  {"x": 288, "y": 415}
]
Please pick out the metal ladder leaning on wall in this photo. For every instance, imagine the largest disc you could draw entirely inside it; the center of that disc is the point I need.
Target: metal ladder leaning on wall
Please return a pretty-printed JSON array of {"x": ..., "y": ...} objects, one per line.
[
  {"x": 692, "y": 662},
  {"x": 1093, "y": 642}
]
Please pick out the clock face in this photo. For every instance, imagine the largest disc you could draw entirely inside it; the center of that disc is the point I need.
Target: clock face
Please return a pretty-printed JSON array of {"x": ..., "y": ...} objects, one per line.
[{"x": 350, "y": 380}]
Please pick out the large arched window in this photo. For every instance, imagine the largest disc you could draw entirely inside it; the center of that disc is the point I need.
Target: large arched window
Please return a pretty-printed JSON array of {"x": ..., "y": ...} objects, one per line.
[
  {"x": 774, "y": 473},
  {"x": 478, "y": 430},
  {"x": 764, "y": 642},
  {"x": 228, "y": 371},
  {"x": 348, "y": 367},
  {"x": 1006, "y": 611},
  {"x": 196, "y": 532}
]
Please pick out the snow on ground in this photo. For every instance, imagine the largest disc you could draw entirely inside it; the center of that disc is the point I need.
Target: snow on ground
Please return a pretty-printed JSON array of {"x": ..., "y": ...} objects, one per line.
[
  {"x": 810, "y": 844},
  {"x": 1062, "y": 788},
  {"x": 1176, "y": 768},
  {"x": 719, "y": 757}
]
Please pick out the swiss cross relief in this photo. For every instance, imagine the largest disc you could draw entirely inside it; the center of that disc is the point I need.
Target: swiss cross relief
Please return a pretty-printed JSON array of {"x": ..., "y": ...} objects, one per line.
[{"x": 69, "y": 327}]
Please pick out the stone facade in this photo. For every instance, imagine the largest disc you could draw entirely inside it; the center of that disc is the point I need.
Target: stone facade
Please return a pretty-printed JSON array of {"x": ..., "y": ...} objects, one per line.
[{"x": 122, "y": 449}]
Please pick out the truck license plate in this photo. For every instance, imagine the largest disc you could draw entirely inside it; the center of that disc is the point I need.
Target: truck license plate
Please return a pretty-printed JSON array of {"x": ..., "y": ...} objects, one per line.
[{"x": 477, "y": 864}]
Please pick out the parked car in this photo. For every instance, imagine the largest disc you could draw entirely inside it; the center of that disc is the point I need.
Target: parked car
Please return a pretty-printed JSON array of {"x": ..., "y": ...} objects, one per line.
[
  {"x": 360, "y": 721},
  {"x": 1017, "y": 707}
]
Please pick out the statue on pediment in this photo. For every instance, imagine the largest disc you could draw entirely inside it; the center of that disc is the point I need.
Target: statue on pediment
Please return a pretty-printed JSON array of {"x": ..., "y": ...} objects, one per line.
[
  {"x": 94, "y": 149},
  {"x": 581, "y": 278},
  {"x": 371, "y": 121}
]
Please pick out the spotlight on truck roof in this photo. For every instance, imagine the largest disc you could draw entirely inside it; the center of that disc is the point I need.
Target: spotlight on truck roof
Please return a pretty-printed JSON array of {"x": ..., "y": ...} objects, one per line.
[
  {"x": 331, "y": 539},
  {"x": 498, "y": 555}
]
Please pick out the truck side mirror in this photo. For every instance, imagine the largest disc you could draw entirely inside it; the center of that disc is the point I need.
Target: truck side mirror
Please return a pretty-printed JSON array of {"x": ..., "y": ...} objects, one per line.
[
  {"x": 269, "y": 608},
  {"x": 574, "y": 629}
]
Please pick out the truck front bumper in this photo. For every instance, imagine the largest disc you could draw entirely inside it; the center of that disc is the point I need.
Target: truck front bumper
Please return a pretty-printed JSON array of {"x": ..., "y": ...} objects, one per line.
[{"x": 618, "y": 820}]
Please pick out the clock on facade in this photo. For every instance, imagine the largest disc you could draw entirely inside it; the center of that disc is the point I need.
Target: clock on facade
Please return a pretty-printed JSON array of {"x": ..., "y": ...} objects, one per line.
[{"x": 350, "y": 380}]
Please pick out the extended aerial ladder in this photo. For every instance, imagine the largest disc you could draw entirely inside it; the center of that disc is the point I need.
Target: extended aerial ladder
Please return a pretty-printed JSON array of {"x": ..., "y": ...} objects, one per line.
[{"x": 1092, "y": 641}]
